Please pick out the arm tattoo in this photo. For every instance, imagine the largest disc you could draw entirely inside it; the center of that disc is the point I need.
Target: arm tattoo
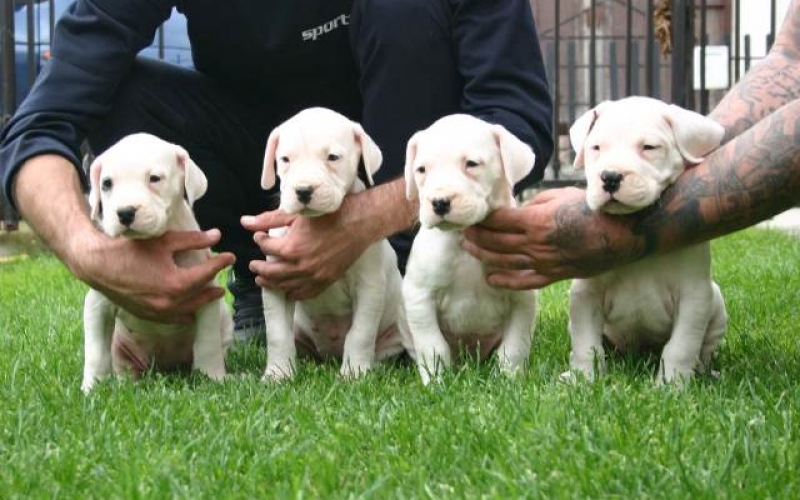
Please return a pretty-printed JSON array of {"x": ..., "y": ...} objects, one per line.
[{"x": 577, "y": 233}]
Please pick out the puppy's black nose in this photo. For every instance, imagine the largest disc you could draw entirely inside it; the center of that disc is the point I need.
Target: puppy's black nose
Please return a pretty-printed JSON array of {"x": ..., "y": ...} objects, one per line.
[
  {"x": 304, "y": 194},
  {"x": 611, "y": 181},
  {"x": 441, "y": 206},
  {"x": 126, "y": 215}
]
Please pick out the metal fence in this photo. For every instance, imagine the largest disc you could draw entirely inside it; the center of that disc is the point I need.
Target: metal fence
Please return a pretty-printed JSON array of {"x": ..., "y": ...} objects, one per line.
[{"x": 607, "y": 49}]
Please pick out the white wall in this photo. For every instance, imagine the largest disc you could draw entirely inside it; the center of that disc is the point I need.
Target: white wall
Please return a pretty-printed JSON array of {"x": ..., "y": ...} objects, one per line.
[{"x": 755, "y": 21}]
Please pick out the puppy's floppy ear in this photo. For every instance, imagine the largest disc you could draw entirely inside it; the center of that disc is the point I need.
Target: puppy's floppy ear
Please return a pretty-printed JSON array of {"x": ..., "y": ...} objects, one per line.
[
  {"x": 580, "y": 131},
  {"x": 370, "y": 152},
  {"x": 194, "y": 180},
  {"x": 517, "y": 157},
  {"x": 695, "y": 135},
  {"x": 95, "y": 204},
  {"x": 411, "y": 156},
  {"x": 268, "y": 172}
]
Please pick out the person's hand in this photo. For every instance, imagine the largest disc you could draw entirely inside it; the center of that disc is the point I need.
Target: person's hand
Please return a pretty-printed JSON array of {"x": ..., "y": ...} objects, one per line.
[
  {"x": 141, "y": 276},
  {"x": 314, "y": 253},
  {"x": 553, "y": 237}
]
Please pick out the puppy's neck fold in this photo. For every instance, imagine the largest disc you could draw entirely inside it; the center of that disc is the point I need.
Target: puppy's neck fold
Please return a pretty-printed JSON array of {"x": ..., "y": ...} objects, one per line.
[
  {"x": 181, "y": 218},
  {"x": 502, "y": 196},
  {"x": 357, "y": 187}
]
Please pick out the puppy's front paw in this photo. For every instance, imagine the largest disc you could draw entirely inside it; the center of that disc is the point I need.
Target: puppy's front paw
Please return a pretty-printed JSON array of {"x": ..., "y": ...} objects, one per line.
[
  {"x": 589, "y": 368},
  {"x": 215, "y": 375},
  {"x": 429, "y": 376},
  {"x": 89, "y": 381},
  {"x": 433, "y": 361},
  {"x": 278, "y": 373},
  {"x": 512, "y": 371},
  {"x": 573, "y": 377},
  {"x": 673, "y": 376},
  {"x": 213, "y": 370},
  {"x": 350, "y": 371}
]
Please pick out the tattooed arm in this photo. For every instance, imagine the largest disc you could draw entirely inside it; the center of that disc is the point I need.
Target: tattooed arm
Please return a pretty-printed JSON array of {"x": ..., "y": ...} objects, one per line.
[
  {"x": 752, "y": 177},
  {"x": 768, "y": 85}
]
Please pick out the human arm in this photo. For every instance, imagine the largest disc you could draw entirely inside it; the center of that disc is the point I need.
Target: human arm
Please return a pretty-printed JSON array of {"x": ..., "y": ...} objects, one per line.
[
  {"x": 159, "y": 290},
  {"x": 94, "y": 45},
  {"x": 324, "y": 247},
  {"x": 556, "y": 236},
  {"x": 510, "y": 90}
]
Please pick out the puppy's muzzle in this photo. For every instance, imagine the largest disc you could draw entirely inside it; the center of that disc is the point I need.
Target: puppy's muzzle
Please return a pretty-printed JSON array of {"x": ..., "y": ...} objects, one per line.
[
  {"x": 304, "y": 194},
  {"x": 441, "y": 206},
  {"x": 611, "y": 181},
  {"x": 126, "y": 215}
]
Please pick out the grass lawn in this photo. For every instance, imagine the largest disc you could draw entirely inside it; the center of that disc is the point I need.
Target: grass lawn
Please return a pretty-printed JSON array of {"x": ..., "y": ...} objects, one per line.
[{"x": 478, "y": 436}]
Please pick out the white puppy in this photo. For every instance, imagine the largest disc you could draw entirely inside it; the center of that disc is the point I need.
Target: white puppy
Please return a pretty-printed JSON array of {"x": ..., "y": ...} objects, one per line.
[
  {"x": 142, "y": 187},
  {"x": 632, "y": 150},
  {"x": 359, "y": 319},
  {"x": 461, "y": 169}
]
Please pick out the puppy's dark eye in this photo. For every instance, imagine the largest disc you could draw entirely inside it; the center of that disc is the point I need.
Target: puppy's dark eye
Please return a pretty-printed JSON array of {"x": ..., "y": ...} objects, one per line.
[
  {"x": 284, "y": 159},
  {"x": 472, "y": 163},
  {"x": 107, "y": 184},
  {"x": 649, "y": 147},
  {"x": 333, "y": 157},
  {"x": 596, "y": 147},
  {"x": 155, "y": 178},
  {"x": 421, "y": 169}
]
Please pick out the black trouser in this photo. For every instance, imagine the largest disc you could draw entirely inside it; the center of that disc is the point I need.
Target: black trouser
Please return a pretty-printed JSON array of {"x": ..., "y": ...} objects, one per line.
[{"x": 407, "y": 78}]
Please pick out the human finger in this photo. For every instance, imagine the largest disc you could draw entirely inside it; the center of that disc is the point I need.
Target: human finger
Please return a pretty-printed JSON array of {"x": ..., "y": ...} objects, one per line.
[
  {"x": 286, "y": 285},
  {"x": 199, "y": 275},
  {"x": 271, "y": 246},
  {"x": 203, "y": 297},
  {"x": 549, "y": 195},
  {"x": 500, "y": 260},
  {"x": 495, "y": 241},
  {"x": 520, "y": 280},
  {"x": 179, "y": 241},
  {"x": 266, "y": 220},
  {"x": 508, "y": 220},
  {"x": 294, "y": 289},
  {"x": 272, "y": 273}
]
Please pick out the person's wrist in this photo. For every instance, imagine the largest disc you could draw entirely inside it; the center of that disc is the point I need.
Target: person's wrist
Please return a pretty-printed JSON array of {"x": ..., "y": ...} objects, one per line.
[
  {"x": 620, "y": 234},
  {"x": 359, "y": 219},
  {"x": 378, "y": 213},
  {"x": 83, "y": 251}
]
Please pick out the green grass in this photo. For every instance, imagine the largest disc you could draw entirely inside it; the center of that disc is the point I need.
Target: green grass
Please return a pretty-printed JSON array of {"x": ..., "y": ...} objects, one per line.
[{"x": 478, "y": 436}]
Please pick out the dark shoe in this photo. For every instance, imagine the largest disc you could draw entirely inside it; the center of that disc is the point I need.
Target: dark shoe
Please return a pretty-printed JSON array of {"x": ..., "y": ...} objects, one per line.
[{"x": 248, "y": 311}]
